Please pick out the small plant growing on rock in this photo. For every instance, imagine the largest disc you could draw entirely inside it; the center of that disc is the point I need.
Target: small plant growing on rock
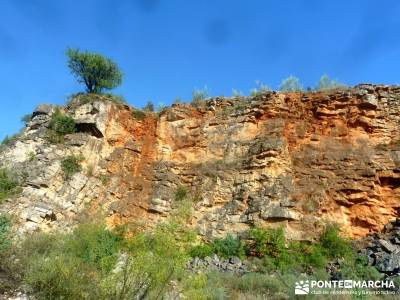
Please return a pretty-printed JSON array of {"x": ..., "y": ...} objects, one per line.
[
  {"x": 105, "y": 179},
  {"x": 71, "y": 165},
  {"x": 199, "y": 95},
  {"x": 138, "y": 114},
  {"x": 62, "y": 124},
  {"x": 149, "y": 106},
  {"x": 32, "y": 156},
  {"x": 181, "y": 193},
  {"x": 9, "y": 185},
  {"x": 90, "y": 170}
]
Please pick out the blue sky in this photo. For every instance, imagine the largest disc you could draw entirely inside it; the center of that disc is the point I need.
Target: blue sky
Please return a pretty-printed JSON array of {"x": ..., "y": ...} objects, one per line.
[{"x": 168, "y": 48}]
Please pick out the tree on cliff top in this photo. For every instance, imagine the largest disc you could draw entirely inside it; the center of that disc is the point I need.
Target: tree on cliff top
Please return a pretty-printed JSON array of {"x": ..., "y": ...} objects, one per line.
[{"x": 97, "y": 72}]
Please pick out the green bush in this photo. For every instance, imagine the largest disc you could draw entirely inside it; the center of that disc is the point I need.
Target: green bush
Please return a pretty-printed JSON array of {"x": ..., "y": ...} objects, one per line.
[
  {"x": 357, "y": 267},
  {"x": 325, "y": 83},
  {"x": 67, "y": 266},
  {"x": 97, "y": 72},
  {"x": 201, "y": 251},
  {"x": 94, "y": 244},
  {"x": 267, "y": 242},
  {"x": 228, "y": 247},
  {"x": 307, "y": 256},
  {"x": 333, "y": 245},
  {"x": 9, "y": 185},
  {"x": 198, "y": 97},
  {"x": 105, "y": 179},
  {"x": 61, "y": 277},
  {"x": 291, "y": 84},
  {"x": 62, "y": 124},
  {"x": 181, "y": 193},
  {"x": 156, "y": 258},
  {"x": 149, "y": 107},
  {"x": 5, "y": 228},
  {"x": 138, "y": 114},
  {"x": 71, "y": 165}
]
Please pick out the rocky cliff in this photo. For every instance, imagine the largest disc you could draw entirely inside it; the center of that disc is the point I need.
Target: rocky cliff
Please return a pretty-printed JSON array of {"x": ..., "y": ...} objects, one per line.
[{"x": 300, "y": 160}]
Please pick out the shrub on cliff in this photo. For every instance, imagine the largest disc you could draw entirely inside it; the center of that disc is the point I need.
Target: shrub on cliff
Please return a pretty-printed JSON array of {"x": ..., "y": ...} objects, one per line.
[
  {"x": 181, "y": 193},
  {"x": 138, "y": 114},
  {"x": 291, "y": 84},
  {"x": 201, "y": 250},
  {"x": 199, "y": 96},
  {"x": 71, "y": 165},
  {"x": 228, "y": 247},
  {"x": 62, "y": 124},
  {"x": 334, "y": 246},
  {"x": 325, "y": 83},
  {"x": 5, "y": 228},
  {"x": 149, "y": 107},
  {"x": 268, "y": 241},
  {"x": 9, "y": 184},
  {"x": 97, "y": 72}
]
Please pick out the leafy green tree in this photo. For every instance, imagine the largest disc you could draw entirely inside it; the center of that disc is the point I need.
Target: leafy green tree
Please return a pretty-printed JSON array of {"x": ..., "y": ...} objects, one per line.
[
  {"x": 291, "y": 84},
  {"x": 97, "y": 72}
]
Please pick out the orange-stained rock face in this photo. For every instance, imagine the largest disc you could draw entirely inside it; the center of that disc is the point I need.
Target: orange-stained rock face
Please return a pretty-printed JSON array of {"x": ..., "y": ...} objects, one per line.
[{"x": 297, "y": 160}]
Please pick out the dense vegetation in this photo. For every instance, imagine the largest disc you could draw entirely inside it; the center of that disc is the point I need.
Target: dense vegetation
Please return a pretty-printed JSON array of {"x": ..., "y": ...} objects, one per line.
[{"x": 94, "y": 262}]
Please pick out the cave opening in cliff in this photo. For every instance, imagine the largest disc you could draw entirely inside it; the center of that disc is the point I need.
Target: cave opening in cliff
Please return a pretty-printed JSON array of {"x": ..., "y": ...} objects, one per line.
[
  {"x": 89, "y": 128},
  {"x": 391, "y": 182}
]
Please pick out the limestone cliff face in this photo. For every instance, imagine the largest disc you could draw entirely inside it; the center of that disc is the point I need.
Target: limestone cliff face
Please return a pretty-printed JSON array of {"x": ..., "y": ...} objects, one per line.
[{"x": 300, "y": 160}]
